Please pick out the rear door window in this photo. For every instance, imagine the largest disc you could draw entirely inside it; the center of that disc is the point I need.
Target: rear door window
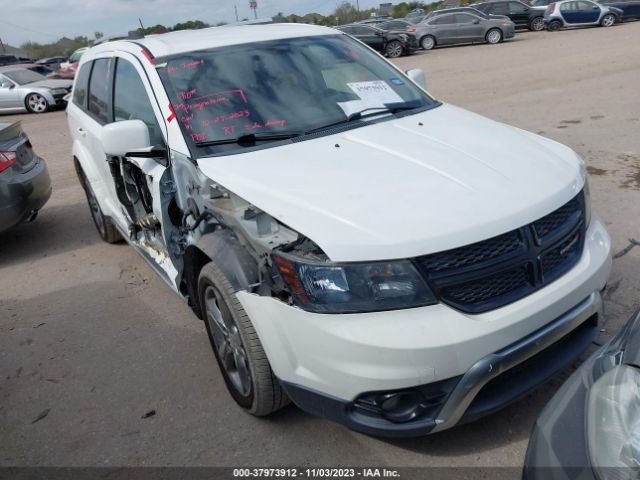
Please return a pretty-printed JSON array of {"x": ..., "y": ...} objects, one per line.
[{"x": 99, "y": 98}]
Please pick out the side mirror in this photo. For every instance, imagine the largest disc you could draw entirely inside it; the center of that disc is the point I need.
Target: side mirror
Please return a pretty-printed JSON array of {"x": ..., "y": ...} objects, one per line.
[
  {"x": 7, "y": 85},
  {"x": 418, "y": 76},
  {"x": 476, "y": 22},
  {"x": 121, "y": 138}
]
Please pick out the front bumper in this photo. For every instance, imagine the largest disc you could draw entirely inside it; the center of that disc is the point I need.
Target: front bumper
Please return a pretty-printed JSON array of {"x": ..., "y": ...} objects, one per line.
[
  {"x": 327, "y": 361},
  {"x": 23, "y": 194}
]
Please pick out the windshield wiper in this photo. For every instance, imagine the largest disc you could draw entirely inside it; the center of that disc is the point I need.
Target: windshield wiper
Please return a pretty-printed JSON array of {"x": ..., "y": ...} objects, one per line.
[
  {"x": 367, "y": 112},
  {"x": 250, "y": 139}
]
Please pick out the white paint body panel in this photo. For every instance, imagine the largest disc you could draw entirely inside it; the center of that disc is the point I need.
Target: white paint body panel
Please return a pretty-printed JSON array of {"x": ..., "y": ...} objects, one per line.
[
  {"x": 396, "y": 189},
  {"x": 345, "y": 355}
]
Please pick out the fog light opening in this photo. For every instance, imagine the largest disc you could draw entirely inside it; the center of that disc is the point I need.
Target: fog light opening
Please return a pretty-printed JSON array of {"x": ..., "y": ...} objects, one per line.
[{"x": 401, "y": 407}]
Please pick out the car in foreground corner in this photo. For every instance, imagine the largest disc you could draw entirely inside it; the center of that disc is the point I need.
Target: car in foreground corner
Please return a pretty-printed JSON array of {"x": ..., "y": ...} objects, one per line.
[
  {"x": 580, "y": 13},
  {"x": 24, "y": 179},
  {"x": 353, "y": 245},
  {"x": 22, "y": 88},
  {"x": 590, "y": 429}
]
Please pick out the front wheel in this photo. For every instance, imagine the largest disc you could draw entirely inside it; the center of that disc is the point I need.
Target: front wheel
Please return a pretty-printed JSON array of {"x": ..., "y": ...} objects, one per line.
[
  {"x": 393, "y": 49},
  {"x": 537, "y": 24},
  {"x": 36, "y": 103},
  {"x": 427, "y": 42},
  {"x": 608, "y": 20},
  {"x": 494, "y": 36},
  {"x": 236, "y": 346},
  {"x": 554, "y": 26}
]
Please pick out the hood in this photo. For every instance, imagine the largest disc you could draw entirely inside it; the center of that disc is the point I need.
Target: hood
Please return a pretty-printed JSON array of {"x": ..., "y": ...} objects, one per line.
[
  {"x": 405, "y": 187},
  {"x": 49, "y": 83}
]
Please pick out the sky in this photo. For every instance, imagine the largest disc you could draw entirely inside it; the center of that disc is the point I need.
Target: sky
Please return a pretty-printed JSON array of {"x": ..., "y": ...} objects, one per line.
[{"x": 45, "y": 21}]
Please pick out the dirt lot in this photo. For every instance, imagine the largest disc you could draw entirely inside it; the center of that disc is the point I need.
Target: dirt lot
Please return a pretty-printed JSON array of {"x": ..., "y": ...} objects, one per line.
[{"x": 91, "y": 340}]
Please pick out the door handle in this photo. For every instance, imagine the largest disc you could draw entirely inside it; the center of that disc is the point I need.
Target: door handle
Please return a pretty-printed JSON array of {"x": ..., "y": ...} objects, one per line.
[{"x": 82, "y": 131}]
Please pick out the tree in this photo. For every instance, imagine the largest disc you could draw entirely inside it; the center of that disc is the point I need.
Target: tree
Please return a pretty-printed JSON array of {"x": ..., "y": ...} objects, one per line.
[
  {"x": 345, "y": 13},
  {"x": 98, "y": 35},
  {"x": 190, "y": 25}
]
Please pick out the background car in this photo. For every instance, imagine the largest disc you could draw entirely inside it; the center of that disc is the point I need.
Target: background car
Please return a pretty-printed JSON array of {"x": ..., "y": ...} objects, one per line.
[
  {"x": 471, "y": 10},
  {"x": 13, "y": 59},
  {"x": 590, "y": 429},
  {"x": 415, "y": 32},
  {"x": 630, "y": 8},
  {"x": 24, "y": 179},
  {"x": 52, "y": 63},
  {"x": 392, "y": 44},
  {"x": 579, "y": 13},
  {"x": 68, "y": 69},
  {"x": 523, "y": 15},
  {"x": 24, "y": 89},
  {"x": 455, "y": 28}
]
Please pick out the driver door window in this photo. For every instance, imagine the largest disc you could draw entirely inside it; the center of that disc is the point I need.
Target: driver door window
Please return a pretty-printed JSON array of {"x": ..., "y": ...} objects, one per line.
[{"x": 131, "y": 101}]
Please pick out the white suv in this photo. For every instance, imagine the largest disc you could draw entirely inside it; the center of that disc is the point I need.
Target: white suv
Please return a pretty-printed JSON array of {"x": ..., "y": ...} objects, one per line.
[{"x": 376, "y": 256}]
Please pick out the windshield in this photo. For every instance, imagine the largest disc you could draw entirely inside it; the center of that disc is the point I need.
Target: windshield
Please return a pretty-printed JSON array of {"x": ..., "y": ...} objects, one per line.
[
  {"x": 75, "y": 57},
  {"x": 291, "y": 86},
  {"x": 24, "y": 76}
]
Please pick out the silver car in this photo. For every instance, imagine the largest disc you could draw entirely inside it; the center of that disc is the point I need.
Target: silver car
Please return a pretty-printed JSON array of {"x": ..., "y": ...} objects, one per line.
[
  {"x": 25, "y": 89},
  {"x": 453, "y": 28}
]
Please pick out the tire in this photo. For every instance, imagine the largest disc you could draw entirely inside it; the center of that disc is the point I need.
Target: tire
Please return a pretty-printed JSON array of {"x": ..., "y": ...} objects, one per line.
[
  {"x": 494, "y": 36},
  {"x": 554, "y": 26},
  {"x": 393, "y": 49},
  {"x": 36, "y": 103},
  {"x": 537, "y": 24},
  {"x": 236, "y": 346},
  {"x": 104, "y": 225},
  {"x": 608, "y": 20},
  {"x": 428, "y": 42}
]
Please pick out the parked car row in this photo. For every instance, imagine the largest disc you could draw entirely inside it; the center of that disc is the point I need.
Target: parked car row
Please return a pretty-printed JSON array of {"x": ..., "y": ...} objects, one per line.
[{"x": 489, "y": 22}]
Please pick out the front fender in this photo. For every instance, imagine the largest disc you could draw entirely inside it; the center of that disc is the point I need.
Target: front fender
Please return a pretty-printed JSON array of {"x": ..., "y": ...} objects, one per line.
[{"x": 237, "y": 264}]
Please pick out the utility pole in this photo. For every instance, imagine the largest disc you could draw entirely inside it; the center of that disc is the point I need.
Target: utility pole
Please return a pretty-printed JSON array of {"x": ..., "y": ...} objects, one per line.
[
  {"x": 358, "y": 8},
  {"x": 235, "y": 7},
  {"x": 2, "y": 45}
]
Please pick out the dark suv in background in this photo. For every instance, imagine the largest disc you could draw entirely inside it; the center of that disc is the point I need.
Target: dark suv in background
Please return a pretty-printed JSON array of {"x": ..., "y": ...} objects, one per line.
[
  {"x": 393, "y": 44},
  {"x": 523, "y": 15}
]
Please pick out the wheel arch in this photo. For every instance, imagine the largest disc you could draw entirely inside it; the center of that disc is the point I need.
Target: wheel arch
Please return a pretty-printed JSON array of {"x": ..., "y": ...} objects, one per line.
[{"x": 224, "y": 249}]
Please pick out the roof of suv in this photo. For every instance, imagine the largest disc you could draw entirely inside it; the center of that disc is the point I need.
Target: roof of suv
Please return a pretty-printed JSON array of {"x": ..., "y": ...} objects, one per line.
[{"x": 190, "y": 40}]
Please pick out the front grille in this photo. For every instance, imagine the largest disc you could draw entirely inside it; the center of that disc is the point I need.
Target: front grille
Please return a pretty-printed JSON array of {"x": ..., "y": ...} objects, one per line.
[
  {"x": 503, "y": 269},
  {"x": 486, "y": 288}
]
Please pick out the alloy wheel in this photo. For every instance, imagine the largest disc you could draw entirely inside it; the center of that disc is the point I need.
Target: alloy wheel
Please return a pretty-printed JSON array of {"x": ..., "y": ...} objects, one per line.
[
  {"x": 37, "y": 103},
  {"x": 608, "y": 20},
  {"x": 394, "y": 50},
  {"x": 537, "y": 24},
  {"x": 227, "y": 343}
]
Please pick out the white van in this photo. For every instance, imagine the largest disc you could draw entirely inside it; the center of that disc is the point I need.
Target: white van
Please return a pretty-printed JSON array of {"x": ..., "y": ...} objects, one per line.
[{"x": 355, "y": 246}]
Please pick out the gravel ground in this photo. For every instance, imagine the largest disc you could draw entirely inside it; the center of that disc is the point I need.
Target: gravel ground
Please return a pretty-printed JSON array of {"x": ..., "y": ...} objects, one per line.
[{"x": 91, "y": 340}]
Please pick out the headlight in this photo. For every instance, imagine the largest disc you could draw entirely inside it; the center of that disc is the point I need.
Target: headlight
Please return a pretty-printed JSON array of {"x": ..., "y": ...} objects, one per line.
[
  {"x": 355, "y": 287},
  {"x": 613, "y": 423},
  {"x": 58, "y": 91}
]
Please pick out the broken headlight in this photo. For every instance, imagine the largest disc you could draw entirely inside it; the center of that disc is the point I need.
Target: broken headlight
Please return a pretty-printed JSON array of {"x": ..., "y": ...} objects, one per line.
[{"x": 353, "y": 287}]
